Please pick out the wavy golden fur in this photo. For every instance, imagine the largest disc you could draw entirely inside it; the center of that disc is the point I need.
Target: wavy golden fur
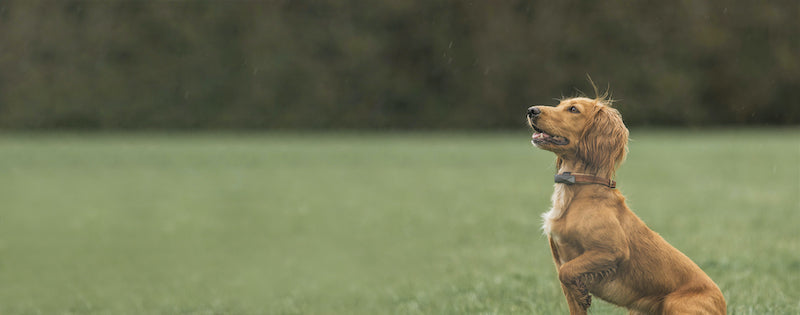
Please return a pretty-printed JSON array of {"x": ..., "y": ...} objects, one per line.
[{"x": 599, "y": 246}]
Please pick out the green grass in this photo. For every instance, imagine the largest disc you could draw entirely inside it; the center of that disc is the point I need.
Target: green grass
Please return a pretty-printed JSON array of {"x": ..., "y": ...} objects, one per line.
[{"x": 367, "y": 224}]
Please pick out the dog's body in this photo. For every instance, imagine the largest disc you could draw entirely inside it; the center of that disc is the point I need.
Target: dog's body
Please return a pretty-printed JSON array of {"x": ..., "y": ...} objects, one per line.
[{"x": 599, "y": 246}]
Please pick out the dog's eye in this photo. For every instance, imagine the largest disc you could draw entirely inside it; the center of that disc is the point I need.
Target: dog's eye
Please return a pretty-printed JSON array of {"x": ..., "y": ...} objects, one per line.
[{"x": 573, "y": 109}]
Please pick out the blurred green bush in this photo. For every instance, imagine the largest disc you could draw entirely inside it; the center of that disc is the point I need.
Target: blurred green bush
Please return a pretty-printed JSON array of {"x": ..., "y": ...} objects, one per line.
[{"x": 391, "y": 64}]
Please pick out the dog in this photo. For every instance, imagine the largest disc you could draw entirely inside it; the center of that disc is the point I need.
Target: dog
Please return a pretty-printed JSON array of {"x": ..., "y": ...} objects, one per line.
[{"x": 600, "y": 247}]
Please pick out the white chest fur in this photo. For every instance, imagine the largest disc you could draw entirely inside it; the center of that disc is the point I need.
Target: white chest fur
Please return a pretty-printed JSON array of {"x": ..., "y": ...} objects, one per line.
[{"x": 560, "y": 199}]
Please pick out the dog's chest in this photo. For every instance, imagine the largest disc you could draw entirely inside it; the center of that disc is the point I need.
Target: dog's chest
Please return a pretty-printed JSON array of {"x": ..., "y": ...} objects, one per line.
[
  {"x": 560, "y": 201},
  {"x": 548, "y": 220}
]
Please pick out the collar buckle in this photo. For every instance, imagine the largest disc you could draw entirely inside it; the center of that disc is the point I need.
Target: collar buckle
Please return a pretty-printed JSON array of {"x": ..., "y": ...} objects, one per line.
[{"x": 565, "y": 178}]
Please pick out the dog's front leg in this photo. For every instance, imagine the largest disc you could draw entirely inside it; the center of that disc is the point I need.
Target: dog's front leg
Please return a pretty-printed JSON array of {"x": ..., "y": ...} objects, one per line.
[{"x": 577, "y": 276}]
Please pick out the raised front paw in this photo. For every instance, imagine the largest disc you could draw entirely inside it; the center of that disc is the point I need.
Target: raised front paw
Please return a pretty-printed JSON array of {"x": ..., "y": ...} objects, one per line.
[
  {"x": 582, "y": 296},
  {"x": 585, "y": 301}
]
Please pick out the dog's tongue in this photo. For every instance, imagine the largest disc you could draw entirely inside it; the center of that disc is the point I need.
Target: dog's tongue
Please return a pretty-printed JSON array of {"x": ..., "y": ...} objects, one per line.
[{"x": 540, "y": 135}]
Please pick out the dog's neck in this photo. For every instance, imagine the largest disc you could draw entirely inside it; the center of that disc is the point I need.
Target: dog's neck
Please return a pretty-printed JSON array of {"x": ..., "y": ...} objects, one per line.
[
  {"x": 563, "y": 193},
  {"x": 578, "y": 166}
]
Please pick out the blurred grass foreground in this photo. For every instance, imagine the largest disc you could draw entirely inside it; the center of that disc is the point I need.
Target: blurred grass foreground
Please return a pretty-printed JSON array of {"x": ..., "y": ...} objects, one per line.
[{"x": 413, "y": 223}]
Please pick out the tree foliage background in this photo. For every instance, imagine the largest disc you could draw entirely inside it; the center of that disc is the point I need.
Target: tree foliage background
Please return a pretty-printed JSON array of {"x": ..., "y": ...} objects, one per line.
[{"x": 332, "y": 64}]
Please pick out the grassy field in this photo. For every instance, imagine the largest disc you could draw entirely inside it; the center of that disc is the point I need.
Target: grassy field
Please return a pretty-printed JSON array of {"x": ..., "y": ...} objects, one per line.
[{"x": 367, "y": 224}]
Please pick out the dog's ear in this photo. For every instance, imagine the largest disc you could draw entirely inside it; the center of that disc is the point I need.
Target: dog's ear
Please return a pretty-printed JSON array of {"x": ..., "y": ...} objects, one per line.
[{"x": 604, "y": 142}]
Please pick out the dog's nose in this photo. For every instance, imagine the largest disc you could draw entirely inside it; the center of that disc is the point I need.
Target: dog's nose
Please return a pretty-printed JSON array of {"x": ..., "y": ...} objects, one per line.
[{"x": 533, "y": 111}]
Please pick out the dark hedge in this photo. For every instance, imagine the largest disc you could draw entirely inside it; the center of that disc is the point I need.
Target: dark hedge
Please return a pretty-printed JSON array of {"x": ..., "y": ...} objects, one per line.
[{"x": 391, "y": 64}]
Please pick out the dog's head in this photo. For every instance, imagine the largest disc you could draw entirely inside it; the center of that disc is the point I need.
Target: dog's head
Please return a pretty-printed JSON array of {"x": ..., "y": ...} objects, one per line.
[{"x": 585, "y": 129}]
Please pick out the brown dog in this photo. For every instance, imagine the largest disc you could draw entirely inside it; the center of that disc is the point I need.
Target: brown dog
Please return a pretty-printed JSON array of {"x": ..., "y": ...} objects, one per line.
[{"x": 598, "y": 244}]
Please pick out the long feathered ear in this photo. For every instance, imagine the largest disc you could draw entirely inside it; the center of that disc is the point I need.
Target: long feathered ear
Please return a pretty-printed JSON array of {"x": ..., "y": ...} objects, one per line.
[{"x": 604, "y": 141}]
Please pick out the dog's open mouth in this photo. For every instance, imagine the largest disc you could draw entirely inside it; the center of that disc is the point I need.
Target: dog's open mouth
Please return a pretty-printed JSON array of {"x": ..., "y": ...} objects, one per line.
[{"x": 541, "y": 137}]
